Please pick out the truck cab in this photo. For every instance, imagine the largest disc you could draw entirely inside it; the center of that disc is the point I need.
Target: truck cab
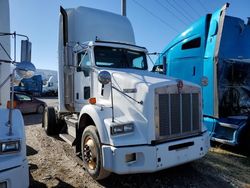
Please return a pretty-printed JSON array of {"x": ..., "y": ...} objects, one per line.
[
  {"x": 213, "y": 52},
  {"x": 14, "y": 171},
  {"x": 118, "y": 116}
]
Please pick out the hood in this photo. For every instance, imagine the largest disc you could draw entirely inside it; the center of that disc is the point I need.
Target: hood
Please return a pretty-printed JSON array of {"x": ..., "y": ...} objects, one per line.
[
  {"x": 132, "y": 78},
  {"x": 137, "y": 99},
  {"x": 140, "y": 87}
]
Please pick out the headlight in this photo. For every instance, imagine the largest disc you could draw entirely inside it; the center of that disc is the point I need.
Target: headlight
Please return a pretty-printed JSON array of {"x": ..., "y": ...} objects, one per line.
[
  {"x": 121, "y": 129},
  {"x": 10, "y": 146}
]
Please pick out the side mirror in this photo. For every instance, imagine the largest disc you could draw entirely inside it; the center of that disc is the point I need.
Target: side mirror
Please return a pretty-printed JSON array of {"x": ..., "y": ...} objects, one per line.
[
  {"x": 104, "y": 77},
  {"x": 164, "y": 65},
  {"x": 158, "y": 69},
  {"x": 25, "y": 50},
  {"x": 161, "y": 68},
  {"x": 79, "y": 69}
]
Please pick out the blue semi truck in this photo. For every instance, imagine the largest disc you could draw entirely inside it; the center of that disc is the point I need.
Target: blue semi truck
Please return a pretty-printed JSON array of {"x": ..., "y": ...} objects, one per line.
[
  {"x": 32, "y": 86},
  {"x": 215, "y": 53}
]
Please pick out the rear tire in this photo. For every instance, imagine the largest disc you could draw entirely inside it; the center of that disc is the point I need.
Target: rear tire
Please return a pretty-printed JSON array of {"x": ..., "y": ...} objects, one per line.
[
  {"x": 49, "y": 121},
  {"x": 92, "y": 154}
]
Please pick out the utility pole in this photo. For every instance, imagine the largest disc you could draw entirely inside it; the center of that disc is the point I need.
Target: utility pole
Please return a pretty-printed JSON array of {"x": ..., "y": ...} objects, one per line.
[{"x": 123, "y": 7}]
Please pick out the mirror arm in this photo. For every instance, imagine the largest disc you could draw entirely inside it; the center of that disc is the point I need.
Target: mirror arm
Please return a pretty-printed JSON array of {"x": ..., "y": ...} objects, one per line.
[
  {"x": 10, "y": 122},
  {"x": 25, "y": 36},
  {"x": 139, "y": 102}
]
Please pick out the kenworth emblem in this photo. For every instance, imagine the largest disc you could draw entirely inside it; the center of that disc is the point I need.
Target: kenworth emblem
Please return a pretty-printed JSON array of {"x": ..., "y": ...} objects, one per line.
[{"x": 179, "y": 85}]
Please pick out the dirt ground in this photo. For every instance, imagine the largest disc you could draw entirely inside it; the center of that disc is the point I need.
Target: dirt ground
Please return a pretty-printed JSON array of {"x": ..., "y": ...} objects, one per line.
[{"x": 53, "y": 163}]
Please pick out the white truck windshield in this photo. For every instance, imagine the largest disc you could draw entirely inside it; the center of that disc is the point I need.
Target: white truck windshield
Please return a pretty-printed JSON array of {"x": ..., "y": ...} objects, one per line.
[{"x": 119, "y": 58}]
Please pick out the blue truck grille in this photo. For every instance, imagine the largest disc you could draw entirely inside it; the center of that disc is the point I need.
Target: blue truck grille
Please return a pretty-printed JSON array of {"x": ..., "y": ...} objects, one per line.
[{"x": 178, "y": 115}]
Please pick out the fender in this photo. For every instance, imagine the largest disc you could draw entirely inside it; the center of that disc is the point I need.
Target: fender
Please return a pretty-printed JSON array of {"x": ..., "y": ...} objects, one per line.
[
  {"x": 98, "y": 114},
  {"x": 18, "y": 134}
]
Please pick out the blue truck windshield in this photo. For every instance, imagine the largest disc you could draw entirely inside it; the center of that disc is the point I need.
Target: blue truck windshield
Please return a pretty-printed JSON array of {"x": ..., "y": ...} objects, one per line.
[{"x": 119, "y": 58}]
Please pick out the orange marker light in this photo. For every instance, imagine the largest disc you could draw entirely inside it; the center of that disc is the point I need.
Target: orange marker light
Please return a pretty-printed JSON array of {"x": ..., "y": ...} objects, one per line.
[
  {"x": 14, "y": 104},
  {"x": 92, "y": 100}
]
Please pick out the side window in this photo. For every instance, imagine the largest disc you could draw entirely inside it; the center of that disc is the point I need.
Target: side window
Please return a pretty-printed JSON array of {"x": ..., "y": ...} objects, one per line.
[
  {"x": 138, "y": 62},
  {"x": 195, "y": 43},
  {"x": 84, "y": 60},
  {"x": 84, "y": 64},
  {"x": 22, "y": 97}
]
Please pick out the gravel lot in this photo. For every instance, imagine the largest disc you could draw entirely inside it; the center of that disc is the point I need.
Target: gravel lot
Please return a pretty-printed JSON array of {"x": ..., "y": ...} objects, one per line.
[{"x": 53, "y": 164}]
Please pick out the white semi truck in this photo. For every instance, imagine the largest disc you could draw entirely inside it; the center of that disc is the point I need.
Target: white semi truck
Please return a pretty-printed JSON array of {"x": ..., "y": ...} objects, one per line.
[
  {"x": 13, "y": 161},
  {"x": 120, "y": 117}
]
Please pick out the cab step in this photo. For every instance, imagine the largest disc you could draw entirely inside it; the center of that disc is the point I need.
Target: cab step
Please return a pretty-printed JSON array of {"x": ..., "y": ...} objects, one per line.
[
  {"x": 68, "y": 138},
  {"x": 71, "y": 121}
]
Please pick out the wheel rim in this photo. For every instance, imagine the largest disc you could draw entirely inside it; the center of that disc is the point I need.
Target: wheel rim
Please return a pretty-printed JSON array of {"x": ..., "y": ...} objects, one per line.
[
  {"x": 40, "y": 109},
  {"x": 90, "y": 153}
]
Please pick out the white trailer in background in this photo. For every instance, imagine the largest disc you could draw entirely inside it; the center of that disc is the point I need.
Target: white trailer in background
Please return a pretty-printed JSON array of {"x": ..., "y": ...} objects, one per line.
[
  {"x": 120, "y": 117},
  {"x": 50, "y": 86},
  {"x": 13, "y": 161},
  {"x": 50, "y": 81}
]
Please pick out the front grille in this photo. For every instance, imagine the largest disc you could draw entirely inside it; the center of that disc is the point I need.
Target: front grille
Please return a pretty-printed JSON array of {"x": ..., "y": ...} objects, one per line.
[{"x": 178, "y": 115}]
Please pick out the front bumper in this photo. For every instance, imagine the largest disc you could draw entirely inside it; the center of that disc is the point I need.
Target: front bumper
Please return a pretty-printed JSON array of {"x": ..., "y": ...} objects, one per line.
[
  {"x": 147, "y": 158},
  {"x": 17, "y": 176}
]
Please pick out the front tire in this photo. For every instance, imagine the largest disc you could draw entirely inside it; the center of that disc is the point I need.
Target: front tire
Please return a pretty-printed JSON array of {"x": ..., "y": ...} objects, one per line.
[
  {"x": 91, "y": 153},
  {"x": 49, "y": 121},
  {"x": 245, "y": 142}
]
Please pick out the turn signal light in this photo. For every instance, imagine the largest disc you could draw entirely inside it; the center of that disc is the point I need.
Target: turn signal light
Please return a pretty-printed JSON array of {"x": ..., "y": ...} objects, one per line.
[
  {"x": 14, "y": 104},
  {"x": 92, "y": 100}
]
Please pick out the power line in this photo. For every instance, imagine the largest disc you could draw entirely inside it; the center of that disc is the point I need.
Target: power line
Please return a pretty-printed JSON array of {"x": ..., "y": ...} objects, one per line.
[
  {"x": 181, "y": 12},
  {"x": 155, "y": 16},
  {"x": 171, "y": 12},
  {"x": 192, "y": 8}
]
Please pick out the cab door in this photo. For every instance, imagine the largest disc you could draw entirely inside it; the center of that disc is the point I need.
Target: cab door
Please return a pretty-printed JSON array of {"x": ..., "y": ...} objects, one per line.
[
  {"x": 185, "y": 54},
  {"x": 210, "y": 92},
  {"x": 82, "y": 79}
]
